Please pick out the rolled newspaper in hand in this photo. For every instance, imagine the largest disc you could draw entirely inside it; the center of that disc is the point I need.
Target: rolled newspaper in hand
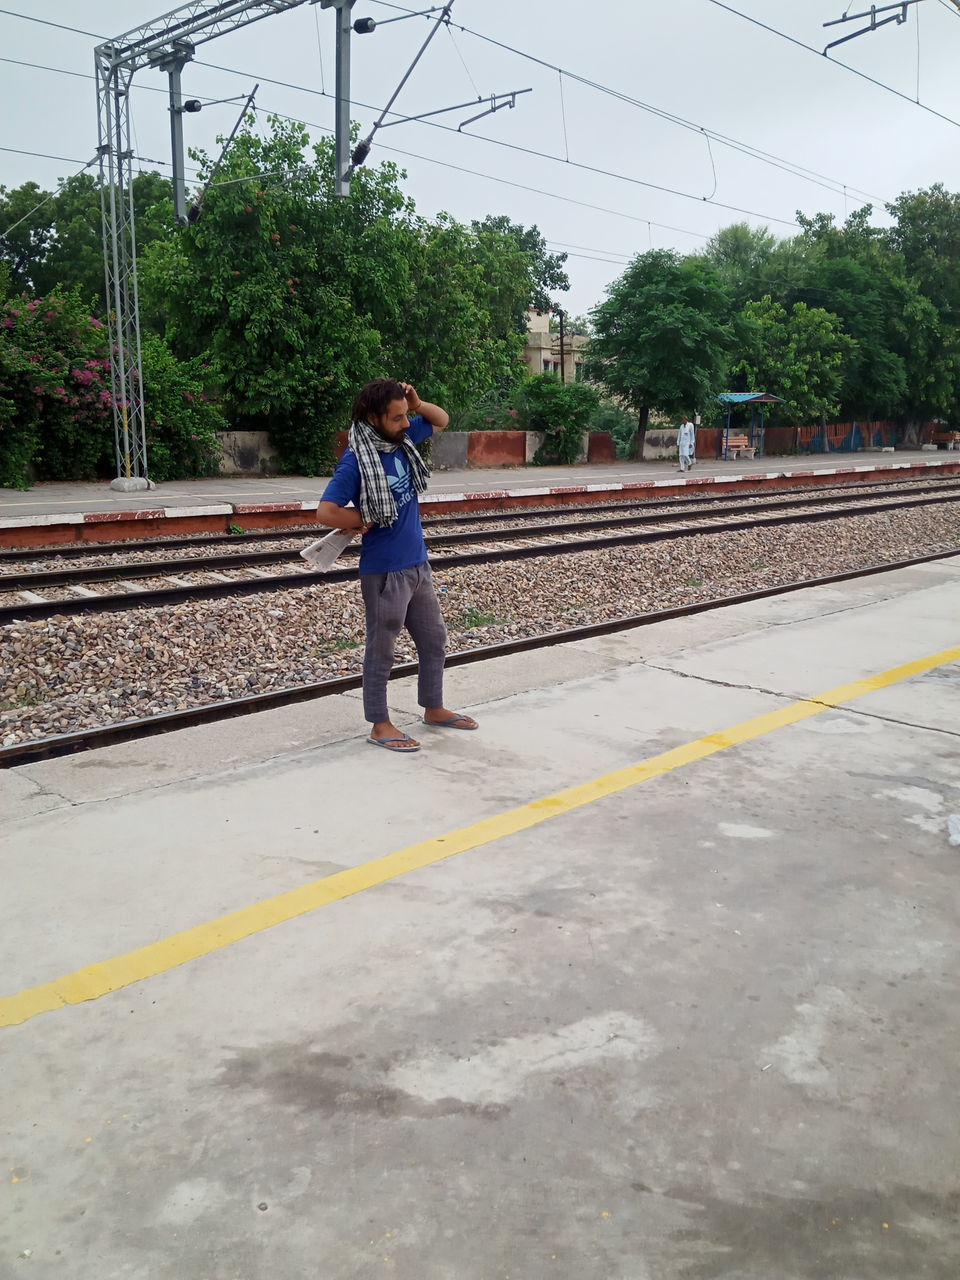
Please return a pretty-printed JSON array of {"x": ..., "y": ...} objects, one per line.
[{"x": 321, "y": 554}]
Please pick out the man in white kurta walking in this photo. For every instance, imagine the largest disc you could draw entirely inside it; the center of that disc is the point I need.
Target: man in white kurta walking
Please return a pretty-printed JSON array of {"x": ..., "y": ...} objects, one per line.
[{"x": 686, "y": 443}]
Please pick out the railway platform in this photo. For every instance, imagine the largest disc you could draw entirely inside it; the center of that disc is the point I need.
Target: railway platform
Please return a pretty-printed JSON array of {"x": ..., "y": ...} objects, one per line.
[
  {"x": 51, "y": 513},
  {"x": 653, "y": 976}
]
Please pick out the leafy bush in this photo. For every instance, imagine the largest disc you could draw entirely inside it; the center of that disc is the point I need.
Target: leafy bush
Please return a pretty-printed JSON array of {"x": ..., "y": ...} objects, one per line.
[
  {"x": 490, "y": 413},
  {"x": 181, "y": 421},
  {"x": 561, "y": 410},
  {"x": 56, "y": 400},
  {"x": 621, "y": 424}
]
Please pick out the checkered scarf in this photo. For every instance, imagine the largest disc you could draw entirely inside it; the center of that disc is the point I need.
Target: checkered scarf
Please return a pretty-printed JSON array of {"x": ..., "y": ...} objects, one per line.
[{"x": 376, "y": 497}]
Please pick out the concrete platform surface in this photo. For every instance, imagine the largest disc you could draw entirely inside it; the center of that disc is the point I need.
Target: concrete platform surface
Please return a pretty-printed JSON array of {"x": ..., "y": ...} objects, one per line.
[
  {"x": 50, "y": 499},
  {"x": 697, "y": 1020}
]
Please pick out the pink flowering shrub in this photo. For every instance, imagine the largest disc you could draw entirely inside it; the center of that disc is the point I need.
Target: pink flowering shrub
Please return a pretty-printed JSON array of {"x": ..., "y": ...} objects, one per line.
[{"x": 56, "y": 398}]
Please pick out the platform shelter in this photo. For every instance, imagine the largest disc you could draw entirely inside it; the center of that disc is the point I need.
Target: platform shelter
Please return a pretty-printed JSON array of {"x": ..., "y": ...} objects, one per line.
[{"x": 730, "y": 438}]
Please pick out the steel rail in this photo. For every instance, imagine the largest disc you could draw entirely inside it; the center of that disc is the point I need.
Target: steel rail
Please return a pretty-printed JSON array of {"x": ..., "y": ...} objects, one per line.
[
  {"x": 74, "y": 550},
  {"x": 210, "y": 591},
  {"x": 286, "y": 582},
  {"x": 132, "y": 569},
  {"x": 166, "y": 722}
]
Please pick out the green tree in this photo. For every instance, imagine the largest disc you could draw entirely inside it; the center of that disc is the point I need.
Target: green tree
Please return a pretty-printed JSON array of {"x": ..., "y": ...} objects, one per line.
[
  {"x": 300, "y": 297},
  {"x": 181, "y": 419},
  {"x": 931, "y": 350},
  {"x": 904, "y": 367},
  {"x": 927, "y": 235},
  {"x": 796, "y": 355},
  {"x": 740, "y": 255},
  {"x": 60, "y": 244},
  {"x": 543, "y": 272},
  {"x": 869, "y": 301},
  {"x": 25, "y": 232},
  {"x": 284, "y": 286},
  {"x": 561, "y": 411},
  {"x": 56, "y": 401},
  {"x": 662, "y": 337},
  {"x": 450, "y": 334}
]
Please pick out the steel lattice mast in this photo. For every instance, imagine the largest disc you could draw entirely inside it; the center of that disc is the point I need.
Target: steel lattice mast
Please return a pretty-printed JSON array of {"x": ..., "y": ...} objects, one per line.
[{"x": 167, "y": 43}]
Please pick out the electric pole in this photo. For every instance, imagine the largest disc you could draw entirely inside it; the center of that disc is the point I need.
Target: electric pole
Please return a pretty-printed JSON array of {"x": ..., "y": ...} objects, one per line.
[
  {"x": 167, "y": 44},
  {"x": 342, "y": 121}
]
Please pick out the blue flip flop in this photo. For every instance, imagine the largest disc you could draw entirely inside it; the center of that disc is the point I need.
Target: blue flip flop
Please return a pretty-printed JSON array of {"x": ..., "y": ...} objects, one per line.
[
  {"x": 400, "y": 751},
  {"x": 452, "y": 723}
]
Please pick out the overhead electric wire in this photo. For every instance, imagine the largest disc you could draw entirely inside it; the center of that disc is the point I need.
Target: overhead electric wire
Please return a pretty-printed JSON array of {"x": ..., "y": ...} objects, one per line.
[
  {"x": 589, "y": 257},
  {"x": 588, "y": 248},
  {"x": 766, "y": 157},
  {"x": 286, "y": 84},
  {"x": 78, "y": 75},
  {"x": 396, "y": 150},
  {"x": 139, "y": 85},
  {"x": 41, "y": 155},
  {"x": 779, "y": 162},
  {"x": 47, "y": 198},
  {"x": 506, "y": 182},
  {"x": 12, "y": 13},
  {"x": 497, "y": 142},
  {"x": 530, "y": 151},
  {"x": 835, "y": 62}
]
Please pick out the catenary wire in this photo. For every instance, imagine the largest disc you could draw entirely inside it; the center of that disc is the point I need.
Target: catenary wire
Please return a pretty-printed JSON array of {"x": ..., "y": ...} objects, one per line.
[
  {"x": 778, "y": 162},
  {"x": 552, "y": 195},
  {"x": 753, "y": 213},
  {"x": 835, "y": 61},
  {"x": 768, "y": 157},
  {"x": 47, "y": 198},
  {"x": 531, "y": 151},
  {"x": 395, "y": 150},
  {"x": 489, "y": 177}
]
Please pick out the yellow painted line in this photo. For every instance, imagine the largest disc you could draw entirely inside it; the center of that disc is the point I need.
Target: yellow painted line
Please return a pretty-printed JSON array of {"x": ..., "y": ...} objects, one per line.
[{"x": 110, "y": 975}]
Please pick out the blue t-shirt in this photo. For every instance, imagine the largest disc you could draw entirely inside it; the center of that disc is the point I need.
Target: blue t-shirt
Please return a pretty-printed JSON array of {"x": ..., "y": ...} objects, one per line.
[{"x": 399, "y": 545}]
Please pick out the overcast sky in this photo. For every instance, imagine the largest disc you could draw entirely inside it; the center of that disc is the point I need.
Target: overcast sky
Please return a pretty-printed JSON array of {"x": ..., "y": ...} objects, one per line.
[{"x": 694, "y": 59}]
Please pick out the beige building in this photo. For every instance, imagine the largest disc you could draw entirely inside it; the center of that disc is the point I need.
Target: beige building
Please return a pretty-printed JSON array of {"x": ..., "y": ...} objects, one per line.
[{"x": 542, "y": 354}]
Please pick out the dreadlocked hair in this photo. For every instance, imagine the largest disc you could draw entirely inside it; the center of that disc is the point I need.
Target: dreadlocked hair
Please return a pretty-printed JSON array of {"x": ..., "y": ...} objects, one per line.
[{"x": 375, "y": 397}]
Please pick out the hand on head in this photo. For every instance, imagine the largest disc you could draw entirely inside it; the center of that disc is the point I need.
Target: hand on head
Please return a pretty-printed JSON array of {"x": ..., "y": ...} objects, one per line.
[{"x": 413, "y": 400}]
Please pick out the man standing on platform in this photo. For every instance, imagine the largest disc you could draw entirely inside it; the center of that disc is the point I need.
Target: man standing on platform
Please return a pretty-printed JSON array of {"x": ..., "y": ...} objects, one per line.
[
  {"x": 381, "y": 474},
  {"x": 686, "y": 443}
]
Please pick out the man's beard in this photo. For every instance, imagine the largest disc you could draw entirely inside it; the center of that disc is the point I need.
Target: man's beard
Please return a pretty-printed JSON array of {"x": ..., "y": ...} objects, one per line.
[{"x": 384, "y": 435}]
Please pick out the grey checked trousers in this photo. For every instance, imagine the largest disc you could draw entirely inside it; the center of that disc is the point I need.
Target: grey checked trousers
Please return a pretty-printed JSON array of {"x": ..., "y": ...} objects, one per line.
[{"x": 404, "y": 598}]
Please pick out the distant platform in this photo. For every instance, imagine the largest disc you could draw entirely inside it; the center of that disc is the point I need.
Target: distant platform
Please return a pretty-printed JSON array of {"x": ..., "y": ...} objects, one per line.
[{"x": 51, "y": 513}]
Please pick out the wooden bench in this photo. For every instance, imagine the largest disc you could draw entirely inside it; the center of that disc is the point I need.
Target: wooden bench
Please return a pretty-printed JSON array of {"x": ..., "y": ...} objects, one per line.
[
  {"x": 946, "y": 439},
  {"x": 739, "y": 445}
]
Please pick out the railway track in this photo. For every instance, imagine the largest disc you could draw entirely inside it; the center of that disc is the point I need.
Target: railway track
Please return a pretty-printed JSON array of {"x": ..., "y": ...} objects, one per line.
[
  {"x": 125, "y": 731},
  {"x": 245, "y": 573},
  {"x": 473, "y": 519}
]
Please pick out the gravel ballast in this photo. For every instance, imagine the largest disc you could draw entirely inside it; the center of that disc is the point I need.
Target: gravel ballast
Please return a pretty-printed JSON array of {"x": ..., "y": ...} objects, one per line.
[
  {"x": 699, "y": 505},
  {"x": 69, "y": 673}
]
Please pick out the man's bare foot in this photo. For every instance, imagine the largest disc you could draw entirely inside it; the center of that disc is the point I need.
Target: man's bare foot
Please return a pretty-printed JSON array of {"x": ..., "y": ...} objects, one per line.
[
  {"x": 448, "y": 719},
  {"x": 394, "y": 739}
]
